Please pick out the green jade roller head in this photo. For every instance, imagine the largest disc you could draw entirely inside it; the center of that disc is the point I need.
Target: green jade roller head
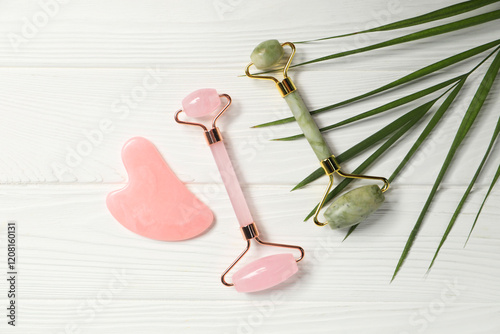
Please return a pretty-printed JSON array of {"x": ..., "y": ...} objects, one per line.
[{"x": 352, "y": 207}]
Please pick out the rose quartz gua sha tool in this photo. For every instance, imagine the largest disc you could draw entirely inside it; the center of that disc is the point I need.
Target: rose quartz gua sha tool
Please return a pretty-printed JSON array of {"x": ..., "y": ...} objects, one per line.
[
  {"x": 155, "y": 203},
  {"x": 268, "y": 271}
]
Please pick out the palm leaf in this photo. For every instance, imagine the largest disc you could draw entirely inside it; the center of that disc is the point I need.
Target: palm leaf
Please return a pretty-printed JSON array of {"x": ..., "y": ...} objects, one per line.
[
  {"x": 424, "y": 134},
  {"x": 383, "y": 108},
  {"x": 434, "y": 31},
  {"x": 467, "y": 121},
  {"x": 439, "y": 14},
  {"x": 419, "y": 113},
  {"x": 318, "y": 172},
  {"x": 430, "y": 126},
  {"x": 407, "y": 78},
  {"x": 428, "y": 129},
  {"x": 385, "y": 131},
  {"x": 370, "y": 141},
  {"x": 467, "y": 192},
  {"x": 495, "y": 179}
]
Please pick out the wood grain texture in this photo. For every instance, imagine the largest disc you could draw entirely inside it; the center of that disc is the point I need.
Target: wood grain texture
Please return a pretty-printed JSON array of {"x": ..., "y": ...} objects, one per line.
[
  {"x": 99, "y": 72},
  {"x": 53, "y": 132},
  {"x": 66, "y": 234},
  {"x": 119, "y": 316}
]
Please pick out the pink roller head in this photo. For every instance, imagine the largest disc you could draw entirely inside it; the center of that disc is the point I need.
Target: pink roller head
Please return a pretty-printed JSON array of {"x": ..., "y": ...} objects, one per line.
[
  {"x": 201, "y": 102},
  {"x": 265, "y": 273}
]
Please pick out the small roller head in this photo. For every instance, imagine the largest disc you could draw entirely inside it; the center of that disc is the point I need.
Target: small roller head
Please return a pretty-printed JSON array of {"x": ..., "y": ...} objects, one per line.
[
  {"x": 267, "y": 54},
  {"x": 265, "y": 273},
  {"x": 201, "y": 102}
]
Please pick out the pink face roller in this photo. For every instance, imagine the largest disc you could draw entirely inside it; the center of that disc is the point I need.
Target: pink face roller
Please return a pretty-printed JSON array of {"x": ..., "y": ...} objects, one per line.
[{"x": 263, "y": 273}]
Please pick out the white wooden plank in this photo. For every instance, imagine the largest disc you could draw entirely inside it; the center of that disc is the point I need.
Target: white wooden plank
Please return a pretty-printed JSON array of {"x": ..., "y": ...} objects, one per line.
[
  {"x": 69, "y": 245},
  {"x": 52, "y": 113},
  {"x": 72, "y": 75},
  {"x": 194, "y": 34},
  {"x": 272, "y": 315}
]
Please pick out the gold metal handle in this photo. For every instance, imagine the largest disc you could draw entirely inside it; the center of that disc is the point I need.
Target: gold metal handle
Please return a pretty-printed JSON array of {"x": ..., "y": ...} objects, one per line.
[
  {"x": 251, "y": 232},
  {"x": 212, "y": 135},
  {"x": 285, "y": 86},
  {"x": 331, "y": 166}
]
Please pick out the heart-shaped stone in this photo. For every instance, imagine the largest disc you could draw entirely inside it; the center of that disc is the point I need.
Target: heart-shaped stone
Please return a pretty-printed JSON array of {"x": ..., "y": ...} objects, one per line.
[{"x": 155, "y": 203}]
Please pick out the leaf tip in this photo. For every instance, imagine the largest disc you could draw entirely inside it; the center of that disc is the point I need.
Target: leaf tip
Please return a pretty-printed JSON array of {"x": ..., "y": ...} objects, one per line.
[
  {"x": 466, "y": 241},
  {"x": 395, "y": 273},
  {"x": 428, "y": 270}
]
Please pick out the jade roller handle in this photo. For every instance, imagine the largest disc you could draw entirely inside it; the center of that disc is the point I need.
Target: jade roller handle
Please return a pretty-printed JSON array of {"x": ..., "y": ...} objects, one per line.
[
  {"x": 308, "y": 125},
  {"x": 266, "y": 55},
  {"x": 350, "y": 208}
]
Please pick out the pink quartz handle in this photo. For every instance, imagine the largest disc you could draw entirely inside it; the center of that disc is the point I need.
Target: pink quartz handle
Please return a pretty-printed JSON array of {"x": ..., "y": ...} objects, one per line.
[{"x": 231, "y": 183}]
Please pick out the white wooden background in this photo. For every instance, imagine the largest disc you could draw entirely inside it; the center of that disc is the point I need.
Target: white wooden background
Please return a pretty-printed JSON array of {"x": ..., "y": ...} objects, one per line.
[{"x": 82, "y": 272}]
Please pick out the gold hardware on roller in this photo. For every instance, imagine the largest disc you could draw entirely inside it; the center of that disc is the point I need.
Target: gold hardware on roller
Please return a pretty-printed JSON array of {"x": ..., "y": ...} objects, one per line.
[
  {"x": 286, "y": 86},
  {"x": 323, "y": 200},
  {"x": 250, "y": 231},
  {"x": 331, "y": 166},
  {"x": 213, "y": 134}
]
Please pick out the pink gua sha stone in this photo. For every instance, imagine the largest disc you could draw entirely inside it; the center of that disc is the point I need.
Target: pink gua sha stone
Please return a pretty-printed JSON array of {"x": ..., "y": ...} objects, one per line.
[{"x": 155, "y": 203}]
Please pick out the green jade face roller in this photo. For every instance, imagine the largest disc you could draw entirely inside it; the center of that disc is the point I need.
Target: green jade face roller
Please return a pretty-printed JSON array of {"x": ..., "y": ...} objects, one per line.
[{"x": 352, "y": 207}]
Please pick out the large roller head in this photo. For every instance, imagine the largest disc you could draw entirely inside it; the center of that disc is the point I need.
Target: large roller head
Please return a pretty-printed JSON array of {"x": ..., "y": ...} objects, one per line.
[{"x": 265, "y": 273}]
